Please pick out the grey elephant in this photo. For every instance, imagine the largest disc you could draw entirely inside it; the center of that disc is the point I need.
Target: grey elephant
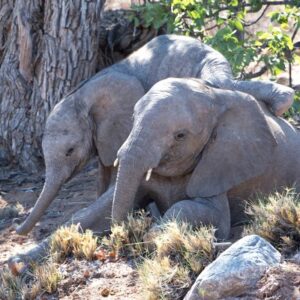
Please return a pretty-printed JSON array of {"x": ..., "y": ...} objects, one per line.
[
  {"x": 205, "y": 149},
  {"x": 95, "y": 118}
]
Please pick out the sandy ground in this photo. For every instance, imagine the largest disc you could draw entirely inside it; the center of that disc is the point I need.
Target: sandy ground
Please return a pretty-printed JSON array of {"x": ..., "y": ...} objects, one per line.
[
  {"x": 98, "y": 280},
  {"x": 115, "y": 280}
]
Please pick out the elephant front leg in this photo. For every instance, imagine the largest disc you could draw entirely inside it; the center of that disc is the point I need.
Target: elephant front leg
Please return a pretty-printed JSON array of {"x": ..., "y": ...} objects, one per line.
[
  {"x": 96, "y": 216},
  {"x": 213, "y": 211}
]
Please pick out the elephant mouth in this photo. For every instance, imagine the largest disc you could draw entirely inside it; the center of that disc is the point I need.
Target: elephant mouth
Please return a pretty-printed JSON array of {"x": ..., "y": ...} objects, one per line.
[
  {"x": 177, "y": 166},
  {"x": 76, "y": 170}
]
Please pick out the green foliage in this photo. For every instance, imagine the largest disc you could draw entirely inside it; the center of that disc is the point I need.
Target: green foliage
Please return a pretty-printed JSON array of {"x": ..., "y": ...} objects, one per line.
[
  {"x": 222, "y": 24},
  {"x": 296, "y": 104}
]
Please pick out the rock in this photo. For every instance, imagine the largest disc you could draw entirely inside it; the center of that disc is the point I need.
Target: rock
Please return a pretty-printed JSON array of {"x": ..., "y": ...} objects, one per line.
[{"x": 236, "y": 270}]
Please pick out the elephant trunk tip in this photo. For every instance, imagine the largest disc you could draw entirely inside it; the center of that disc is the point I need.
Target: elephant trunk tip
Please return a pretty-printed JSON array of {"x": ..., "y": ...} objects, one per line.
[{"x": 22, "y": 229}]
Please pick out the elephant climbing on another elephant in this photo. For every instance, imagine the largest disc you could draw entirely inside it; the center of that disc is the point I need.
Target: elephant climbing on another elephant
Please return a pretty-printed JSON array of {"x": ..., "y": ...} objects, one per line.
[
  {"x": 95, "y": 118},
  {"x": 198, "y": 150}
]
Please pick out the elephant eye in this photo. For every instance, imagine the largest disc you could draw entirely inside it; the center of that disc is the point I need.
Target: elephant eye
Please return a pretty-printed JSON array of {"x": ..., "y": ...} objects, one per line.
[
  {"x": 70, "y": 151},
  {"x": 180, "y": 136}
]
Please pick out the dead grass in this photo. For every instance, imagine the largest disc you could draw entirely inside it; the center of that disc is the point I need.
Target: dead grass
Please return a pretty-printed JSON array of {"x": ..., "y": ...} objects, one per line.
[
  {"x": 11, "y": 211},
  {"x": 173, "y": 253},
  {"x": 29, "y": 285},
  {"x": 70, "y": 240},
  {"x": 277, "y": 219},
  {"x": 127, "y": 238},
  {"x": 164, "y": 280},
  {"x": 178, "y": 240},
  {"x": 180, "y": 254}
]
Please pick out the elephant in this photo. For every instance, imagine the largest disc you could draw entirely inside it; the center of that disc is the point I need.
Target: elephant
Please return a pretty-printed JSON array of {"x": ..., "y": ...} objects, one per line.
[
  {"x": 95, "y": 118},
  {"x": 198, "y": 151}
]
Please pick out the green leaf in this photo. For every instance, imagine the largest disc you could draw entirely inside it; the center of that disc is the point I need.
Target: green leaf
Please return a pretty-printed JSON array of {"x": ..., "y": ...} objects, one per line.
[
  {"x": 234, "y": 3},
  {"x": 284, "y": 26},
  {"x": 238, "y": 25}
]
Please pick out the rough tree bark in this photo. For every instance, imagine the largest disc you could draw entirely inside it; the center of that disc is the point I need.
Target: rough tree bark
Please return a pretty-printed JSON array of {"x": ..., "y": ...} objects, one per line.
[{"x": 46, "y": 48}]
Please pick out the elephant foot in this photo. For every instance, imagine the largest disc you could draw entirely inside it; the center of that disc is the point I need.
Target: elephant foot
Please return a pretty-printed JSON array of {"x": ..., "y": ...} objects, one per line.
[
  {"x": 20, "y": 262},
  {"x": 283, "y": 100}
]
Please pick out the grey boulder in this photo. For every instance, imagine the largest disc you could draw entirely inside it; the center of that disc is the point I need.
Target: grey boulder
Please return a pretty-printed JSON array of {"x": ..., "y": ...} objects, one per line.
[{"x": 236, "y": 270}]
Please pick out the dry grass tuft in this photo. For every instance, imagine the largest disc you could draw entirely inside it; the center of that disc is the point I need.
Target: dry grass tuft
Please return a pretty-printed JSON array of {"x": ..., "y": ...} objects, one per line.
[
  {"x": 174, "y": 252},
  {"x": 180, "y": 254},
  {"x": 183, "y": 244},
  {"x": 164, "y": 280},
  {"x": 11, "y": 211},
  {"x": 68, "y": 241},
  {"x": 277, "y": 219},
  {"x": 48, "y": 277},
  {"x": 10, "y": 286},
  {"x": 127, "y": 238},
  {"x": 31, "y": 284}
]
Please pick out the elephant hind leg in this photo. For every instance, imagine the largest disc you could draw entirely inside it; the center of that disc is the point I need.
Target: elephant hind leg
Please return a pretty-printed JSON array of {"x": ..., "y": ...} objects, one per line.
[{"x": 213, "y": 211}]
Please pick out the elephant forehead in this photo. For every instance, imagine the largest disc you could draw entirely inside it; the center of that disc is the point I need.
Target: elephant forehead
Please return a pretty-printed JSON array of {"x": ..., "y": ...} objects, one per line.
[{"x": 164, "y": 117}]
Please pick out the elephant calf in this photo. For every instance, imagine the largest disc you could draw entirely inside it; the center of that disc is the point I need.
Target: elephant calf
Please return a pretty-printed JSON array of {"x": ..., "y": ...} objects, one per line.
[
  {"x": 95, "y": 118},
  {"x": 198, "y": 151}
]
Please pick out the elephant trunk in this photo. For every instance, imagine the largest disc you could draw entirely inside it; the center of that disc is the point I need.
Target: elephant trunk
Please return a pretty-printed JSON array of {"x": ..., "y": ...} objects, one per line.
[
  {"x": 48, "y": 193},
  {"x": 130, "y": 174},
  {"x": 136, "y": 158}
]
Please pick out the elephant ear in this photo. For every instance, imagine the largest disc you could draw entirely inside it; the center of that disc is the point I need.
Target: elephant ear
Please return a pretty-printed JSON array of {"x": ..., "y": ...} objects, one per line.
[
  {"x": 113, "y": 117},
  {"x": 240, "y": 147}
]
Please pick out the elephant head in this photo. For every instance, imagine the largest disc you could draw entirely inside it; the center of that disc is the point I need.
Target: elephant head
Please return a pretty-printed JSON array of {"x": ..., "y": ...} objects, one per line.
[
  {"x": 93, "y": 119},
  {"x": 182, "y": 126}
]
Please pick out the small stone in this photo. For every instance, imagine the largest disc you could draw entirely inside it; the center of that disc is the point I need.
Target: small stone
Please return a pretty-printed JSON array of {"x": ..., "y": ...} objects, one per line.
[
  {"x": 236, "y": 270},
  {"x": 17, "y": 267},
  {"x": 105, "y": 292},
  {"x": 86, "y": 274}
]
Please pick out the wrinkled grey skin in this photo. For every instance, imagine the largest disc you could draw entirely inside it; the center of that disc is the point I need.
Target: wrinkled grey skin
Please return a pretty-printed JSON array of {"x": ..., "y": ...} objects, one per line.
[
  {"x": 208, "y": 148},
  {"x": 96, "y": 117}
]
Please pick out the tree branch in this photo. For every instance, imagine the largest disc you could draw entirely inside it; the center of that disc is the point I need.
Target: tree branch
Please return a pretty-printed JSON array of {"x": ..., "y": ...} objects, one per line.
[
  {"x": 295, "y": 31},
  {"x": 262, "y": 14},
  {"x": 271, "y": 3},
  {"x": 256, "y": 74}
]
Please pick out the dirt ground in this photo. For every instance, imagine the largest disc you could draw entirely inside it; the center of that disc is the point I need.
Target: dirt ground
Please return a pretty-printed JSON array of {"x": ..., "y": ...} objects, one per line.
[
  {"x": 114, "y": 280},
  {"x": 98, "y": 280}
]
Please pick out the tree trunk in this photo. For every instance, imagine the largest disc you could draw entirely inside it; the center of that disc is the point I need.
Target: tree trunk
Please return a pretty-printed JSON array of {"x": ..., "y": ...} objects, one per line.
[{"x": 46, "y": 48}]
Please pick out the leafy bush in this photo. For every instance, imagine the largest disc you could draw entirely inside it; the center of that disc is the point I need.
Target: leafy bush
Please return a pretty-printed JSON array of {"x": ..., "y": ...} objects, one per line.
[{"x": 223, "y": 25}]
